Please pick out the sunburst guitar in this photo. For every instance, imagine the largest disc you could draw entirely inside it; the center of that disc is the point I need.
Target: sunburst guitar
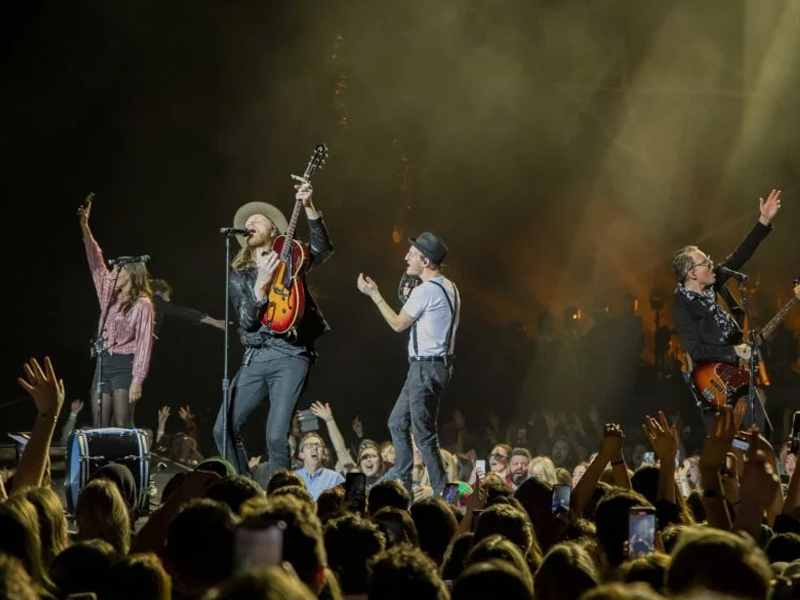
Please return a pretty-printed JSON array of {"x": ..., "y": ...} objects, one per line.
[
  {"x": 286, "y": 299},
  {"x": 718, "y": 383}
]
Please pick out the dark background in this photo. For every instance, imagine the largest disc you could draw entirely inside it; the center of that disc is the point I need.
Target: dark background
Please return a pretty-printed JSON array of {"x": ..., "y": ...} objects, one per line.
[{"x": 563, "y": 150}]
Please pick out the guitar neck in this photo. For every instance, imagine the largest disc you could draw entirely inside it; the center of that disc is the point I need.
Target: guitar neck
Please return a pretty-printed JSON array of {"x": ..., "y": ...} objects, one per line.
[
  {"x": 287, "y": 245},
  {"x": 770, "y": 327}
]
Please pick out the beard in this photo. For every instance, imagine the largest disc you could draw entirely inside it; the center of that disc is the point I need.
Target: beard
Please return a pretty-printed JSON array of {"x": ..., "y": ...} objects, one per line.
[{"x": 259, "y": 240}]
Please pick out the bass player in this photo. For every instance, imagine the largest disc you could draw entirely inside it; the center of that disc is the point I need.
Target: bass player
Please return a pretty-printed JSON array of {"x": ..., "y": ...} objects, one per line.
[
  {"x": 708, "y": 332},
  {"x": 274, "y": 367}
]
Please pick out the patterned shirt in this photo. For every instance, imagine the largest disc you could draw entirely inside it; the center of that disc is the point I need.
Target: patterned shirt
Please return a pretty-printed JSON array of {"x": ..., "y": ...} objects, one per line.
[
  {"x": 124, "y": 333},
  {"x": 708, "y": 298}
]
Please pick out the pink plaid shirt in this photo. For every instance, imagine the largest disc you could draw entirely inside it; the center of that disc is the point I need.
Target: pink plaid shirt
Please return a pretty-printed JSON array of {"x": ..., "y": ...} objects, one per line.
[{"x": 130, "y": 333}]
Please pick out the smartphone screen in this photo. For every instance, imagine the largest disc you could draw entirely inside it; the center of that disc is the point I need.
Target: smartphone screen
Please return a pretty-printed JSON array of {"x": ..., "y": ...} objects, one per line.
[
  {"x": 794, "y": 446},
  {"x": 450, "y": 493},
  {"x": 481, "y": 465},
  {"x": 560, "y": 504},
  {"x": 355, "y": 491},
  {"x": 649, "y": 458},
  {"x": 258, "y": 547},
  {"x": 741, "y": 444},
  {"x": 641, "y": 531}
]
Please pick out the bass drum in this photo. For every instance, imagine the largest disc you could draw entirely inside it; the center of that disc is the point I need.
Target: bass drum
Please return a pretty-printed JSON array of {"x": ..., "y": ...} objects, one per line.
[{"x": 90, "y": 449}]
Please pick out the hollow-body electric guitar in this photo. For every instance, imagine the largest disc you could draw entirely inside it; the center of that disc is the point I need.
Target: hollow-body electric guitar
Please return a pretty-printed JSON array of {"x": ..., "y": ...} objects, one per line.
[
  {"x": 719, "y": 383},
  {"x": 286, "y": 300}
]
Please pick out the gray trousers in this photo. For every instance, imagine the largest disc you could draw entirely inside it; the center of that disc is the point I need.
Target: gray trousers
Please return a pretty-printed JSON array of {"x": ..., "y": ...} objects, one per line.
[
  {"x": 268, "y": 375},
  {"x": 416, "y": 411}
]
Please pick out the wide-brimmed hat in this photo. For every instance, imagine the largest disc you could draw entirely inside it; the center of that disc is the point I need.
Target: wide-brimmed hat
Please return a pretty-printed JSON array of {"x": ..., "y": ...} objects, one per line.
[
  {"x": 258, "y": 208},
  {"x": 431, "y": 246}
]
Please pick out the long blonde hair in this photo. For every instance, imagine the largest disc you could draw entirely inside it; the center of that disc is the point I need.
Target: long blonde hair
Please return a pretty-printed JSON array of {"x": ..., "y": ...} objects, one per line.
[
  {"x": 101, "y": 513},
  {"x": 52, "y": 524}
]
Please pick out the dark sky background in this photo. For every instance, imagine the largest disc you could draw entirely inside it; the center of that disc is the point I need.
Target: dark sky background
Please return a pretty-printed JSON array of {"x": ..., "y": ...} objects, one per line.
[{"x": 563, "y": 150}]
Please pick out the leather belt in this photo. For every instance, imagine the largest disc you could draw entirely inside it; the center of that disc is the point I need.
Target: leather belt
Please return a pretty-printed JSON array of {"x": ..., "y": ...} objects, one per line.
[{"x": 442, "y": 359}]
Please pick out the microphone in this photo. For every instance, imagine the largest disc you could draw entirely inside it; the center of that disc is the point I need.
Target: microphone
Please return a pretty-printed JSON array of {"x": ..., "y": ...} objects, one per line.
[
  {"x": 234, "y": 231},
  {"x": 731, "y": 273},
  {"x": 124, "y": 260}
]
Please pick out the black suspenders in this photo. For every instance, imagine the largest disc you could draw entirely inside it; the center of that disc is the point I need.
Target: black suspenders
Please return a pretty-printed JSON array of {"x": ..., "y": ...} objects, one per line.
[{"x": 453, "y": 314}]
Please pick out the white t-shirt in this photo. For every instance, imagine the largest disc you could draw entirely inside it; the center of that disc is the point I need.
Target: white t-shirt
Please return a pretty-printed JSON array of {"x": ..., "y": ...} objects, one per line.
[{"x": 428, "y": 307}]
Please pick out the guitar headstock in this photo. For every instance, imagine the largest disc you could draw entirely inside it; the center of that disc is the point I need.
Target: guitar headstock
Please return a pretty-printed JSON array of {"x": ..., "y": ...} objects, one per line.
[{"x": 318, "y": 158}]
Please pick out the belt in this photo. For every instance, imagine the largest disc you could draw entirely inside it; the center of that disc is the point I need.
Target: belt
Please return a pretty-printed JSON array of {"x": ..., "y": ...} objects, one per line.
[{"x": 444, "y": 358}]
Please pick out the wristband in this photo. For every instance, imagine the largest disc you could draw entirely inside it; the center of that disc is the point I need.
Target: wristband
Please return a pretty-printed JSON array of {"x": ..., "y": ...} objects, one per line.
[{"x": 621, "y": 461}]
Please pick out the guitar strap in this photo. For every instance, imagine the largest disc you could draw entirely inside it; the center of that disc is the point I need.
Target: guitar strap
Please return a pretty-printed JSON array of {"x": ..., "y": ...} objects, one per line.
[{"x": 453, "y": 313}]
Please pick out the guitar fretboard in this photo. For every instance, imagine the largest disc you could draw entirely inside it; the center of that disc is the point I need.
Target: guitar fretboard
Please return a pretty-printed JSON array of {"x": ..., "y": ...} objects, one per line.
[{"x": 770, "y": 327}]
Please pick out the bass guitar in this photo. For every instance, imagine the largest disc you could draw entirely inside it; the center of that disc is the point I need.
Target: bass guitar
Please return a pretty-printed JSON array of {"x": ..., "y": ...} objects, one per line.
[
  {"x": 718, "y": 383},
  {"x": 286, "y": 299}
]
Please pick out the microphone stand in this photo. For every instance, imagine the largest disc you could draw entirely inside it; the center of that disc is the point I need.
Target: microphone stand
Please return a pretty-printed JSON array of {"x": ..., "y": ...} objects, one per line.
[
  {"x": 755, "y": 357},
  {"x": 226, "y": 384},
  {"x": 98, "y": 349}
]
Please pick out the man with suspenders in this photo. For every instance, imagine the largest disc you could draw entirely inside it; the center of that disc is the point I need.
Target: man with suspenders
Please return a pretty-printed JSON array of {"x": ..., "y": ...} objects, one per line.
[{"x": 432, "y": 312}]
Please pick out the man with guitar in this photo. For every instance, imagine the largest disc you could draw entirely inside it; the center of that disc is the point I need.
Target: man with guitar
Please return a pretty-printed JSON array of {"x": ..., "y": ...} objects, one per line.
[
  {"x": 265, "y": 279},
  {"x": 708, "y": 332},
  {"x": 432, "y": 311}
]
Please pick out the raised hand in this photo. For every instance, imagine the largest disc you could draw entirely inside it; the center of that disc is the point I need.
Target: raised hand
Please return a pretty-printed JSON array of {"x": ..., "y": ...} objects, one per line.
[
  {"x": 304, "y": 193},
  {"x": 663, "y": 437},
  {"x": 46, "y": 390},
  {"x": 769, "y": 207},
  {"x": 366, "y": 286},
  {"x": 83, "y": 214},
  {"x": 611, "y": 444},
  {"x": 163, "y": 415},
  {"x": 323, "y": 411},
  {"x": 185, "y": 413},
  {"x": 718, "y": 442},
  {"x": 759, "y": 482},
  {"x": 75, "y": 407}
]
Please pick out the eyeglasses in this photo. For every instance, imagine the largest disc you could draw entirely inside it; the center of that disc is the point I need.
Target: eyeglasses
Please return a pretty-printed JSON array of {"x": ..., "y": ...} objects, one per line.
[
  {"x": 706, "y": 263},
  {"x": 313, "y": 445}
]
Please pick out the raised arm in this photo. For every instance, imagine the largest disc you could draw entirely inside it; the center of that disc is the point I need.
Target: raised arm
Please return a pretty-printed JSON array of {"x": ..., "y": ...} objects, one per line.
[
  {"x": 47, "y": 392},
  {"x": 712, "y": 458},
  {"x": 664, "y": 439},
  {"x": 610, "y": 451},
  {"x": 324, "y": 412},
  {"x": 94, "y": 254},
  {"x": 397, "y": 321}
]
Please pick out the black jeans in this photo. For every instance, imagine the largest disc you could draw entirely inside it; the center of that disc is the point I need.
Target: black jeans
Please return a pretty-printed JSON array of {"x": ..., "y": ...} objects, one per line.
[
  {"x": 416, "y": 411},
  {"x": 270, "y": 375}
]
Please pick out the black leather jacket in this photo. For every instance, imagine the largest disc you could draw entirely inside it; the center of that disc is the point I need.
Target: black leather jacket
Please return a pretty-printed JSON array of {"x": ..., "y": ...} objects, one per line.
[
  {"x": 249, "y": 311},
  {"x": 700, "y": 334}
]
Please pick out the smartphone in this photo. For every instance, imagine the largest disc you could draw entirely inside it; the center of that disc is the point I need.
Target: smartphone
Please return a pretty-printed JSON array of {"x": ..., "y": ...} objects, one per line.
[
  {"x": 450, "y": 493},
  {"x": 641, "y": 531},
  {"x": 649, "y": 458},
  {"x": 741, "y": 444},
  {"x": 794, "y": 445},
  {"x": 355, "y": 491},
  {"x": 258, "y": 547},
  {"x": 308, "y": 421},
  {"x": 481, "y": 465},
  {"x": 560, "y": 503}
]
